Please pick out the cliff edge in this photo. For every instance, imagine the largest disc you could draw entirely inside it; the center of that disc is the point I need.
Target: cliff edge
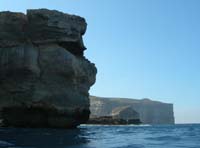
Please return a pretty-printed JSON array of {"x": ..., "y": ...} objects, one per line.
[
  {"x": 44, "y": 76},
  {"x": 148, "y": 111}
]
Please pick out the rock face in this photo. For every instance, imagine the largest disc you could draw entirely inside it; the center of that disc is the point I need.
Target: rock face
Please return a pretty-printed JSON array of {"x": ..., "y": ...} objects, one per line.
[
  {"x": 149, "y": 112},
  {"x": 109, "y": 120},
  {"x": 44, "y": 77},
  {"x": 119, "y": 116},
  {"x": 125, "y": 112}
]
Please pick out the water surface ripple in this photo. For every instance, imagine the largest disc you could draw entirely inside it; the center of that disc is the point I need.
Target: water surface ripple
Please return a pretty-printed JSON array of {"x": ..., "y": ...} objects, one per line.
[{"x": 160, "y": 136}]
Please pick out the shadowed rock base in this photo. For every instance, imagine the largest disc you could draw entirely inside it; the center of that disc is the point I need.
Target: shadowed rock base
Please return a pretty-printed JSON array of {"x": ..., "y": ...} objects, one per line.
[
  {"x": 40, "y": 117},
  {"x": 108, "y": 120}
]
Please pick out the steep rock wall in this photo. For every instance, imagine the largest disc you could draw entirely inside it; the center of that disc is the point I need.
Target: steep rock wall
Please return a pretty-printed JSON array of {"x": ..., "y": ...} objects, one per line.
[{"x": 44, "y": 76}]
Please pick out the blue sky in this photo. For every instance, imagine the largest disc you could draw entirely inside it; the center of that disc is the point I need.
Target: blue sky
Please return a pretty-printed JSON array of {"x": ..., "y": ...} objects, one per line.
[{"x": 142, "y": 48}]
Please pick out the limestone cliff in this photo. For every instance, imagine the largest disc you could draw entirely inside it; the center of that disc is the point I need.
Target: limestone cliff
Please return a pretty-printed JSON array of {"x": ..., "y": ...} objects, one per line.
[
  {"x": 44, "y": 76},
  {"x": 149, "y": 112},
  {"x": 125, "y": 112}
]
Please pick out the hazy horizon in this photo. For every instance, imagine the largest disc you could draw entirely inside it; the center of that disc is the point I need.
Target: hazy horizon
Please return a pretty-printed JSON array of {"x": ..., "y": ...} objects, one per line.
[{"x": 142, "y": 48}]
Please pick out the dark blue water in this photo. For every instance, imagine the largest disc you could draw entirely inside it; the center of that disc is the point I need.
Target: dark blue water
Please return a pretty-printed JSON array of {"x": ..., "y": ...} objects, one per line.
[{"x": 165, "y": 136}]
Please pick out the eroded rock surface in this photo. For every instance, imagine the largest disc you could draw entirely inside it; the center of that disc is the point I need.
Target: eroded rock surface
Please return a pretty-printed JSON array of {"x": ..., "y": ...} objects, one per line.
[
  {"x": 125, "y": 112},
  {"x": 44, "y": 76}
]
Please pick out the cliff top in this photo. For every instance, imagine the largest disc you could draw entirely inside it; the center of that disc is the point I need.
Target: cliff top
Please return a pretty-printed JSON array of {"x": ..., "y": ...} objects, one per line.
[
  {"x": 128, "y": 100},
  {"x": 40, "y": 26}
]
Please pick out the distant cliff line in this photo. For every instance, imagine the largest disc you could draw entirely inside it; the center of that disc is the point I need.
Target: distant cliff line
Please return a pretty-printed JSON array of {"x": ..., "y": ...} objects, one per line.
[{"x": 150, "y": 112}]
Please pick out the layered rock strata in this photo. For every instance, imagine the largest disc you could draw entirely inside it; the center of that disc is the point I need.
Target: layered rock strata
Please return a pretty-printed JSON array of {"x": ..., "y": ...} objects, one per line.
[{"x": 44, "y": 76}]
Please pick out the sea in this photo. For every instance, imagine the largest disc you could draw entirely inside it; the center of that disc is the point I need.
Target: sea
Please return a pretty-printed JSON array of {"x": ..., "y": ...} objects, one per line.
[{"x": 98, "y": 136}]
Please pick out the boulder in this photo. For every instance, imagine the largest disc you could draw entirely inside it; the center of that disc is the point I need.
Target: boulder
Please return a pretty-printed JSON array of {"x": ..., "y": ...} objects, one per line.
[{"x": 44, "y": 76}]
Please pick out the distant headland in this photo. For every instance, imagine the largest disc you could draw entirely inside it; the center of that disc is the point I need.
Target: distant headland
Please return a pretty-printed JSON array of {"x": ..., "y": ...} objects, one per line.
[{"x": 145, "y": 111}]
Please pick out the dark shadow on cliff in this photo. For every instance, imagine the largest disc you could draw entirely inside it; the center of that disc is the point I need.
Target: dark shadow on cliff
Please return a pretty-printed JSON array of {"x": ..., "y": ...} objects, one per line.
[{"x": 42, "y": 138}]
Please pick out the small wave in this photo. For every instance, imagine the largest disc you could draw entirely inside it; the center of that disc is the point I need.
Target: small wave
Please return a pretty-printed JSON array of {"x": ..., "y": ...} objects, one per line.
[
  {"x": 4, "y": 143},
  {"x": 164, "y": 138},
  {"x": 130, "y": 125},
  {"x": 141, "y": 125}
]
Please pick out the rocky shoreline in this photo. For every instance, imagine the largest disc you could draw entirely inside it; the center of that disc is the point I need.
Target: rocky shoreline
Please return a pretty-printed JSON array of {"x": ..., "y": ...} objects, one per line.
[{"x": 109, "y": 120}]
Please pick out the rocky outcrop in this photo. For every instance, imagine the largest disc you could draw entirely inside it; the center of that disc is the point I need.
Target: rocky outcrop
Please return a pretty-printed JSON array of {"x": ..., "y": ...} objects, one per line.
[
  {"x": 44, "y": 76},
  {"x": 149, "y": 112},
  {"x": 119, "y": 116},
  {"x": 125, "y": 112},
  {"x": 109, "y": 120}
]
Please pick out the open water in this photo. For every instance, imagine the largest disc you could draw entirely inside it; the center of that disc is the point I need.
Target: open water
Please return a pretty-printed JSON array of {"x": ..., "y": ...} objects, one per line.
[{"x": 160, "y": 136}]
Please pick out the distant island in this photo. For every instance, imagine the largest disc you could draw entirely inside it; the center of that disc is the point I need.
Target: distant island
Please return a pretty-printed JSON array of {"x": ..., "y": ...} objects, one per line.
[{"x": 129, "y": 111}]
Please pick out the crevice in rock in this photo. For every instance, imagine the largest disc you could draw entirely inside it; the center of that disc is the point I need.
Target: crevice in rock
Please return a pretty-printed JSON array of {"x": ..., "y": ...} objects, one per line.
[{"x": 73, "y": 48}]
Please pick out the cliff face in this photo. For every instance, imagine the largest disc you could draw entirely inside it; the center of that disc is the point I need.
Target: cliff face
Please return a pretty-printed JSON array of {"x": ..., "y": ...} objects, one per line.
[
  {"x": 125, "y": 112},
  {"x": 44, "y": 77},
  {"x": 150, "y": 112}
]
